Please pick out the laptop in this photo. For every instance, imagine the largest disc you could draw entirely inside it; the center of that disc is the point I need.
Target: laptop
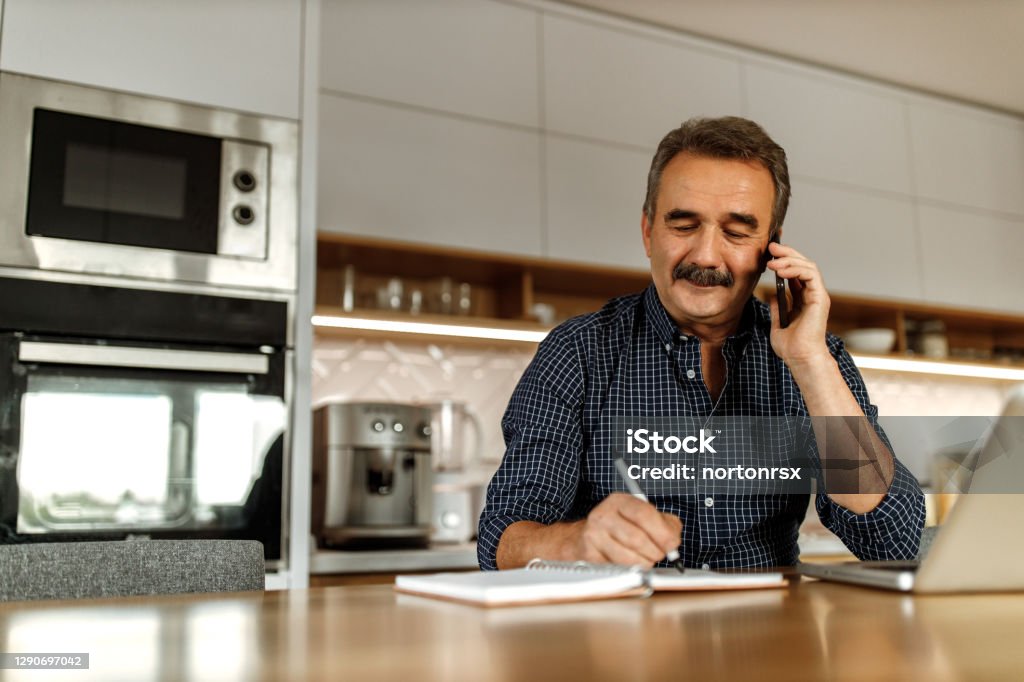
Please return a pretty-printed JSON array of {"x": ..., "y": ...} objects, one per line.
[{"x": 979, "y": 548}]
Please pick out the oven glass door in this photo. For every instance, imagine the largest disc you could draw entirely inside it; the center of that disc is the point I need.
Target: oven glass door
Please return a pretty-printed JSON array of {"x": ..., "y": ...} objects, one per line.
[
  {"x": 149, "y": 444},
  {"x": 98, "y": 180}
]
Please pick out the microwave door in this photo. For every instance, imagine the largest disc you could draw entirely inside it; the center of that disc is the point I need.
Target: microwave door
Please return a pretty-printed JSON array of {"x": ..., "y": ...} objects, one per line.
[{"x": 100, "y": 180}]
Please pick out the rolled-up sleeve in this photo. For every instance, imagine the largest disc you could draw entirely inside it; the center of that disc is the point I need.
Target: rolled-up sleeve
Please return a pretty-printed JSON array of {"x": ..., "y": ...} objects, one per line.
[
  {"x": 892, "y": 530},
  {"x": 539, "y": 474}
]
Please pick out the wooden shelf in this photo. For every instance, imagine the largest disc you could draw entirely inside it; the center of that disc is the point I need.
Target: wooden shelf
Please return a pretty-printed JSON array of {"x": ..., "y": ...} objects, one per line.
[{"x": 505, "y": 289}]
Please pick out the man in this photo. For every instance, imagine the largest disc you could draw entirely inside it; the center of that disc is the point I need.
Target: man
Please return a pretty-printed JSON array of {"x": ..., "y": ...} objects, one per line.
[{"x": 695, "y": 343}]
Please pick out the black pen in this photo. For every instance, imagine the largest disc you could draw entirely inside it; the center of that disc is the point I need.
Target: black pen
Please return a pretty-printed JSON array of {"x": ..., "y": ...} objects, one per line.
[{"x": 634, "y": 489}]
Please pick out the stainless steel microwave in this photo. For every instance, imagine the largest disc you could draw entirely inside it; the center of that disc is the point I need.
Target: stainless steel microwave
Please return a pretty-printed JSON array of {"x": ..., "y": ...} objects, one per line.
[{"x": 108, "y": 183}]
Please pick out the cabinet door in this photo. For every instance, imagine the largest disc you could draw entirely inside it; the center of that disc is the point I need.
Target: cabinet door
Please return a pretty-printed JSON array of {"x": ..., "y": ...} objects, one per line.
[
  {"x": 968, "y": 157},
  {"x": 224, "y": 53},
  {"x": 863, "y": 243},
  {"x": 395, "y": 173},
  {"x": 613, "y": 85},
  {"x": 972, "y": 259},
  {"x": 595, "y": 195},
  {"x": 832, "y": 128},
  {"x": 474, "y": 57}
]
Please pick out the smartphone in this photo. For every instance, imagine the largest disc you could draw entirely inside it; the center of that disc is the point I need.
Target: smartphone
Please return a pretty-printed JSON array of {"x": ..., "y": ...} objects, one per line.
[{"x": 780, "y": 294}]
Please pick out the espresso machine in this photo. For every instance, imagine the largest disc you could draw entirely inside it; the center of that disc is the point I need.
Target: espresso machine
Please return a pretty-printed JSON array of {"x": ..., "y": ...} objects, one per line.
[{"x": 372, "y": 475}]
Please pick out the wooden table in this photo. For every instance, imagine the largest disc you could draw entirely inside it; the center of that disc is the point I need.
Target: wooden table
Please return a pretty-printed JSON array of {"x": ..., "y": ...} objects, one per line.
[{"x": 810, "y": 631}]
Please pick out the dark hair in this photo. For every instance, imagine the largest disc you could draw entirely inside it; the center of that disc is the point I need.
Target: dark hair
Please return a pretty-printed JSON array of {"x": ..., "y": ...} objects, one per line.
[{"x": 729, "y": 137}]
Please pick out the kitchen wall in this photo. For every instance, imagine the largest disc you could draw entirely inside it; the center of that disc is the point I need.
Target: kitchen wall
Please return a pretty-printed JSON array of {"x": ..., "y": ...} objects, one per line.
[{"x": 435, "y": 113}]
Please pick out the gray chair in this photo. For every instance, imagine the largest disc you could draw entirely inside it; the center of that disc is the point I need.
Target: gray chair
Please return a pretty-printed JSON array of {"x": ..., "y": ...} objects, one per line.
[
  {"x": 927, "y": 538},
  {"x": 76, "y": 570}
]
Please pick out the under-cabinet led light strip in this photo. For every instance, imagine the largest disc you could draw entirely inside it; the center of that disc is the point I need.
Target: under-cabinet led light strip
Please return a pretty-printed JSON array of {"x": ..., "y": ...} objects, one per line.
[
  {"x": 495, "y": 333},
  {"x": 953, "y": 369},
  {"x": 507, "y": 334}
]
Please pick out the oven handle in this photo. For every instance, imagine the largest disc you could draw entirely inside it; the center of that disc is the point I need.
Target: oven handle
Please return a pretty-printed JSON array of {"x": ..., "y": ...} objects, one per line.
[{"x": 143, "y": 358}]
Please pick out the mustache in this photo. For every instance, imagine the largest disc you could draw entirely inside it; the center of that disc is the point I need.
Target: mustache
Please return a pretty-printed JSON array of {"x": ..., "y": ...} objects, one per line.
[{"x": 703, "y": 276}]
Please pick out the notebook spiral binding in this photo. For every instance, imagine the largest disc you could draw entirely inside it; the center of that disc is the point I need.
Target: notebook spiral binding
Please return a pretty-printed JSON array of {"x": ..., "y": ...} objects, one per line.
[
  {"x": 593, "y": 569},
  {"x": 582, "y": 567}
]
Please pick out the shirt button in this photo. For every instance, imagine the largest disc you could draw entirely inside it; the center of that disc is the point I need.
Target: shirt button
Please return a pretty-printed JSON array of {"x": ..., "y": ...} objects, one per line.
[
  {"x": 690, "y": 374},
  {"x": 706, "y": 567},
  {"x": 668, "y": 347},
  {"x": 709, "y": 502}
]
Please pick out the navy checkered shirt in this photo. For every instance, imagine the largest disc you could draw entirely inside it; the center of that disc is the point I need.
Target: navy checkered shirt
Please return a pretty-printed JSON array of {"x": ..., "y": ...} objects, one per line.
[{"x": 629, "y": 359}]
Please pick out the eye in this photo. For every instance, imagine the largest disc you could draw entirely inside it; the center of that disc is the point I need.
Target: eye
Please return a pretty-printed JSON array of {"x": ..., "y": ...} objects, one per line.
[{"x": 683, "y": 228}]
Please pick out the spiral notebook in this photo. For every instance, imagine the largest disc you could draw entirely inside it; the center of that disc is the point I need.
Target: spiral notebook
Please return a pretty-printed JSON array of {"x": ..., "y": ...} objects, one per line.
[{"x": 555, "y": 581}]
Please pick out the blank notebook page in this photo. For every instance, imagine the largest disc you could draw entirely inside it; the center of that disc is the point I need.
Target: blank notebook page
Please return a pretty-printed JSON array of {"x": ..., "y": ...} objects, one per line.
[{"x": 521, "y": 585}]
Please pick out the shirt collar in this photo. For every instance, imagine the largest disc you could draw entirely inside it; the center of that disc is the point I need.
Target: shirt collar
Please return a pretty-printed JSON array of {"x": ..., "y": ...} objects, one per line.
[{"x": 756, "y": 317}]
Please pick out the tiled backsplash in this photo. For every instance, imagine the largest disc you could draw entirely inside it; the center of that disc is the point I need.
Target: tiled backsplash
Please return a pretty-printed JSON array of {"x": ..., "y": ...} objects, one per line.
[
  {"x": 915, "y": 441},
  {"x": 364, "y": 369},
  {"x": 901, "y": 394}
]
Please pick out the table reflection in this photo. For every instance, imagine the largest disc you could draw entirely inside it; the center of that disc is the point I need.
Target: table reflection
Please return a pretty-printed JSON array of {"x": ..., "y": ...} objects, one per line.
[
  {"x": 214, "y": 640},
  {"x": 807, "y": 631}
]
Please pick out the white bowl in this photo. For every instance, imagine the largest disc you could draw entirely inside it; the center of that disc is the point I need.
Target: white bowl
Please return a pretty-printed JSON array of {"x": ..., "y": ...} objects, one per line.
[{"x": 870, "y": 340}]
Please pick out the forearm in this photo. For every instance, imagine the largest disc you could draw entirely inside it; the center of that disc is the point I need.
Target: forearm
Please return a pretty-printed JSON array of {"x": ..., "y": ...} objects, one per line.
[
  {"x": 829, "y": 399},
  {"x": 525, "y": 540},
  {"x": 891, "y": 531}
]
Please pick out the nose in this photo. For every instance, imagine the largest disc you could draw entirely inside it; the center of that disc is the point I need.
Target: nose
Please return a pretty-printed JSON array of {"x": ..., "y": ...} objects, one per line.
[{"x": 704, "y": 251}]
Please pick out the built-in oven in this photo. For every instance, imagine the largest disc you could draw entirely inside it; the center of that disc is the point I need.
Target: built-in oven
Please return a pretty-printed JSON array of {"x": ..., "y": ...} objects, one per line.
[
  {"x": 108, "y": 183},
  {"x": 128, "y": 412}
]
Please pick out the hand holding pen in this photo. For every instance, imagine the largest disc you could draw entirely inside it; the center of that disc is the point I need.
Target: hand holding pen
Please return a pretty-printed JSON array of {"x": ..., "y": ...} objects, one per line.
[
  {"x": 623, "y": 529},
  {"x": 634, "y": 489}
]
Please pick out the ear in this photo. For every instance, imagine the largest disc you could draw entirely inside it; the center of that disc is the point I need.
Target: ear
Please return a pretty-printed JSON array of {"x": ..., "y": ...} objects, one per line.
[{"x": 645, "y": 232}]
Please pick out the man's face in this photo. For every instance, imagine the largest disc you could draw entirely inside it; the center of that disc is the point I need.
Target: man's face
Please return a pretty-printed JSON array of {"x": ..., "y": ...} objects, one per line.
[{"x": 709, "y": 234}]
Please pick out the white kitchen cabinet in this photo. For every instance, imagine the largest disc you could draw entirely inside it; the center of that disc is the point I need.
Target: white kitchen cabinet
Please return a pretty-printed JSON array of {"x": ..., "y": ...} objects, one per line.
[
  {"x": 972, "y": 259},
  {"x": 236, "y": 54},
  {"x": 864, "y": 243},
  {"x": 474, "y": 57},
  {"x": 595, "y": 195},
  {"x": 614, "y": 85},
  {"x": 967, "y": 156},
  {"x": 832, "y": 128},
  {"x": 392, "y": 173}
]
